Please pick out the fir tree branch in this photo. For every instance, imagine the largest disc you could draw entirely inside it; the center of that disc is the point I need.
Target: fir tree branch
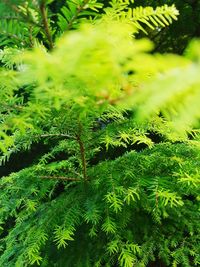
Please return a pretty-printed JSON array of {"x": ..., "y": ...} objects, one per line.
[
  {"x": 56, "y": 135},
  {"x": 14, "y": 36},
  {"x": 78, "y": 11},
  {"x": 60, "y": 178},
  {"x": 14, "y": 107},
  {"x": 82, "y": 152},
  {"x": 31, "y": 36},
  {"x": 46, "y": 24}
]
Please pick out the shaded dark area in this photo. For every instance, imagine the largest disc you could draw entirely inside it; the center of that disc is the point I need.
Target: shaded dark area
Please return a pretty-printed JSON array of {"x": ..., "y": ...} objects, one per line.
[
  {"x": 23, "y": 159},
  {"x": 156, "y": 264}
]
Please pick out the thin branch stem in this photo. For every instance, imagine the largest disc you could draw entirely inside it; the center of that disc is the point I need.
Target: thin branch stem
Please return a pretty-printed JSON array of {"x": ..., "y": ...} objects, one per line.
[
  {"x": 78, "y": 11},
  {"x": 46, "y": 24},
  {"x": 56, "y": 135},
  {"x": 14, "y": 36},
  {"x": 82, "y": 152},
  {"x": 31, "y": 36},
  {"x": 60, "y": 178},
  {"x": 14, "y": 107}
]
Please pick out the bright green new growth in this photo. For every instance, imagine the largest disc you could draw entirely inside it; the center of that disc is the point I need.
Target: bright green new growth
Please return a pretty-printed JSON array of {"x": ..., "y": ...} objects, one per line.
[{"x": 93, "y": 199}]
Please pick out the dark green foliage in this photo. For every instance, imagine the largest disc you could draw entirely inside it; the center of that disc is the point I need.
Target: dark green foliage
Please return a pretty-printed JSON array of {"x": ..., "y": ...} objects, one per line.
[
  {"x": 24, "y": 24},
  {"x": 137, "y": 208},
  {"x": 175, "y": 38},
  {"x": 99, "y": 138}
]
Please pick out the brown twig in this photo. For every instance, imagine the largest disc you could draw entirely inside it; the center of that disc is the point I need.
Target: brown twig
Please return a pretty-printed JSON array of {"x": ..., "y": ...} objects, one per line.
[
  {"x": 46, "y": 24},
  {"x": 82, "y": 152},
  {"x": 60, "y": 178},
  {"x": 31, "y": 36},
  {"x": 55, "y": 135},
  {"x": 78, "y": 11}
]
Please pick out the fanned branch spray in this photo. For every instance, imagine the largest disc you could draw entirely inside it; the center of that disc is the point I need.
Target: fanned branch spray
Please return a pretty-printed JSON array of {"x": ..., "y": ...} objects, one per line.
[{"x": 118, "y": 182}]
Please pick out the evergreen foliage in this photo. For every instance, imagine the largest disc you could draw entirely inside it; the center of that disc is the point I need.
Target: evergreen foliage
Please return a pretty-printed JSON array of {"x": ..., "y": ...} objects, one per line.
[
  {"x": 119, "y": 182},
  {"x": 176, "y": 37},
  {"x": 23, "y": 24}
]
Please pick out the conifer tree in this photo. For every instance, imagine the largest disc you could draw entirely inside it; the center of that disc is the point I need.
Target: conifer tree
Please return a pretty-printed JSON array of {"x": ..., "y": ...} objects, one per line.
[{"x": 118, "y": 182}]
